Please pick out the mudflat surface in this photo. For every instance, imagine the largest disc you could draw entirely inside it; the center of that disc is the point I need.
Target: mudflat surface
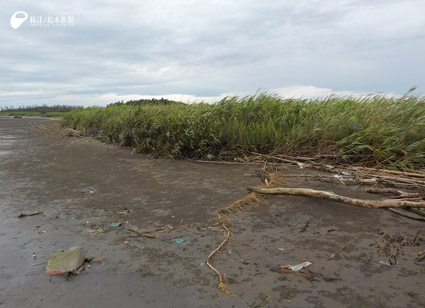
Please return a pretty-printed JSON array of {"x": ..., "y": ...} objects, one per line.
[{"x": 82, "y": 185}]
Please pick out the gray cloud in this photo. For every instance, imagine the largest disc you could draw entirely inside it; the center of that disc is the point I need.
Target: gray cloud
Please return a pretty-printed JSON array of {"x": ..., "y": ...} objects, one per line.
[{"x": 208, "y": 48}]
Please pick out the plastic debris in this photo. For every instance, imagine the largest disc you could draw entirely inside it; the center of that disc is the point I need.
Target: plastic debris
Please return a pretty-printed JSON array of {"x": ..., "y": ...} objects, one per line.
[
  {"x": 115, "y": 224},
  {"x": 285, "y": 270},
  {"x": 22, "y": 215},
  {"x": 99, "y": 231},
  {"x": 124, "y": 211},
  {"x": 301, "y": 165},
  {"x": 298, "y": 267},
  {"x": 179, "y": 240},
  {"x": 65, "y": 261},
  {"x": 389, "y": 263}
]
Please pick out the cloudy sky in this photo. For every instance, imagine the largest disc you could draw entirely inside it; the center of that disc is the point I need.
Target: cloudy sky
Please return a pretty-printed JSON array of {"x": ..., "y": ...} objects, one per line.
[{"x": 100, "y": 51}]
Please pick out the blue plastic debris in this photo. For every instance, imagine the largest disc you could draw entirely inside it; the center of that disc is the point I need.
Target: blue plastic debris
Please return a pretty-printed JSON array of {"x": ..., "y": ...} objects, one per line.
[
  {"x": 115, "y": 224},
  {"x": 179, "y": 240}
]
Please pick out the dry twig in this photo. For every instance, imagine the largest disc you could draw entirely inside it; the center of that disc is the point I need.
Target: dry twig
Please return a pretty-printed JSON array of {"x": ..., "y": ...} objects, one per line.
[{"x": 333, "y": 256}]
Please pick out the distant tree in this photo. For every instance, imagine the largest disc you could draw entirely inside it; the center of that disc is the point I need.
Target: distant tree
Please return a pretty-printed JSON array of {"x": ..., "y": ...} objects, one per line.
[
  {"x": 41, "y": 109},
  {"x": 152, "y": 101}
]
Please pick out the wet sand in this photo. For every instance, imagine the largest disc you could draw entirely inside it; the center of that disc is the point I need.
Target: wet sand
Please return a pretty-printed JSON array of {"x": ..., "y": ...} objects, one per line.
[{"x": 81, "y": 184}]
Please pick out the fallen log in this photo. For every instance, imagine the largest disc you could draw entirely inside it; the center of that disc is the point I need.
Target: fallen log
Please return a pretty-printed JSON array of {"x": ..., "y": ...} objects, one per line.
[{"x": 305, "y": 192}]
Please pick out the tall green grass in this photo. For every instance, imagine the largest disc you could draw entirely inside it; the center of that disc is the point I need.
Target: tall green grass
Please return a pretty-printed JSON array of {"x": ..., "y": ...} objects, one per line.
[{"x": 380, "y": 131}]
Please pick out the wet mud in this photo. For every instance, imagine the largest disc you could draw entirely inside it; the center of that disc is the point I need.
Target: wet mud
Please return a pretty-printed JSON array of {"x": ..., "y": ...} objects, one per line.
[{"x": 82, "y": 186}]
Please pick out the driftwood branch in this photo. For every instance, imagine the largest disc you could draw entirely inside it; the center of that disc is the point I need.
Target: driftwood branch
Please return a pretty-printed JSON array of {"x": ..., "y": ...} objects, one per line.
[
  {"x": 345, "y": 180},
  {"x": 305, "y": 192},
  {"x": 402, "y": 173},
  {"x": 379, "y": 175},
  {"x": 398, "y": 194},
  {"x": 419, "y": 212},
  {"x": 406, "y": 214}
]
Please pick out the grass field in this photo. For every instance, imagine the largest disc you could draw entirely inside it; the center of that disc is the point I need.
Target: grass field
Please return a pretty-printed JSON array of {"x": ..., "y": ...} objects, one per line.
[{"x": 374, "y": 131}]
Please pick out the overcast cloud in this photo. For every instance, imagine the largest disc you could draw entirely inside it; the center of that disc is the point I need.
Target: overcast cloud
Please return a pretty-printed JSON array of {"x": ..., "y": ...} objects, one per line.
[{"x": 204, "y": 50}]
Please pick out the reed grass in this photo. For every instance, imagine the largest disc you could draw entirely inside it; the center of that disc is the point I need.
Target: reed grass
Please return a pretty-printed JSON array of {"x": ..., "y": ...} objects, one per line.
[{"x": 375, "y": 130}]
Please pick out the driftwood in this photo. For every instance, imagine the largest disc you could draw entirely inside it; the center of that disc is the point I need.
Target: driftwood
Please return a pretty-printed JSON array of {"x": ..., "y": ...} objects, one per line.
[
  {"x": 378, "y": 175},
  {"x": 419, "y": 212},
  {"x": 345, "y": 180},
  {"x": 73, "y": 132},
  {"x": 398, "y": 194},
  {"x": 305, "y": 192},
  {"x": 402, "y": 173},
  {"x": 224, "y": 162},
  {"x": 22, "y": 215},
  {"x": 406, "y": 214}
]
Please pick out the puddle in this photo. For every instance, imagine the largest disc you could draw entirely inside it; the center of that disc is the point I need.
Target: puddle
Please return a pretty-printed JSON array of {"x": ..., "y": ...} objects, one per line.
[
  {"x": 2, "y": 153},
  {"x": 8, "y": 137}
]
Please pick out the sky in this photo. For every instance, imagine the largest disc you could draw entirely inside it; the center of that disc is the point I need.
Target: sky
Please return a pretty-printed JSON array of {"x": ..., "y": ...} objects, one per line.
[{"x": 96, "y": 52}]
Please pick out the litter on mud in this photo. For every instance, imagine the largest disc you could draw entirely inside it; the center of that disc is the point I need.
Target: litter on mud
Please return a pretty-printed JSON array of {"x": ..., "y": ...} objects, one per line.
[
  {"x": 115, "y": 224},
  {"x": 295, "y": 269},
  {"x": 66, "y": 261},
  {"x": 284, "y": 270},
  {"x": 99, "y": 231},
  {"x": 22, "y": 215},
  {"x": 298, "y": 267},
  {"x": 124, "y": 211},
  {"x": 179, "y": 240}
]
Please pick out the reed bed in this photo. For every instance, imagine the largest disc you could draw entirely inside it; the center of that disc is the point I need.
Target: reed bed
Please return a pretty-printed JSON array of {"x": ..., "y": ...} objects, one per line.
[{"x": 374, "y": 131}]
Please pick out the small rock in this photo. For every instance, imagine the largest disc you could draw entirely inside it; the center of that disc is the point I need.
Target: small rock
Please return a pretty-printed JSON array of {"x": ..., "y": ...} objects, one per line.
[
  {"x": 282, "y": 278},
  {"x": 275, "y": 269}
]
